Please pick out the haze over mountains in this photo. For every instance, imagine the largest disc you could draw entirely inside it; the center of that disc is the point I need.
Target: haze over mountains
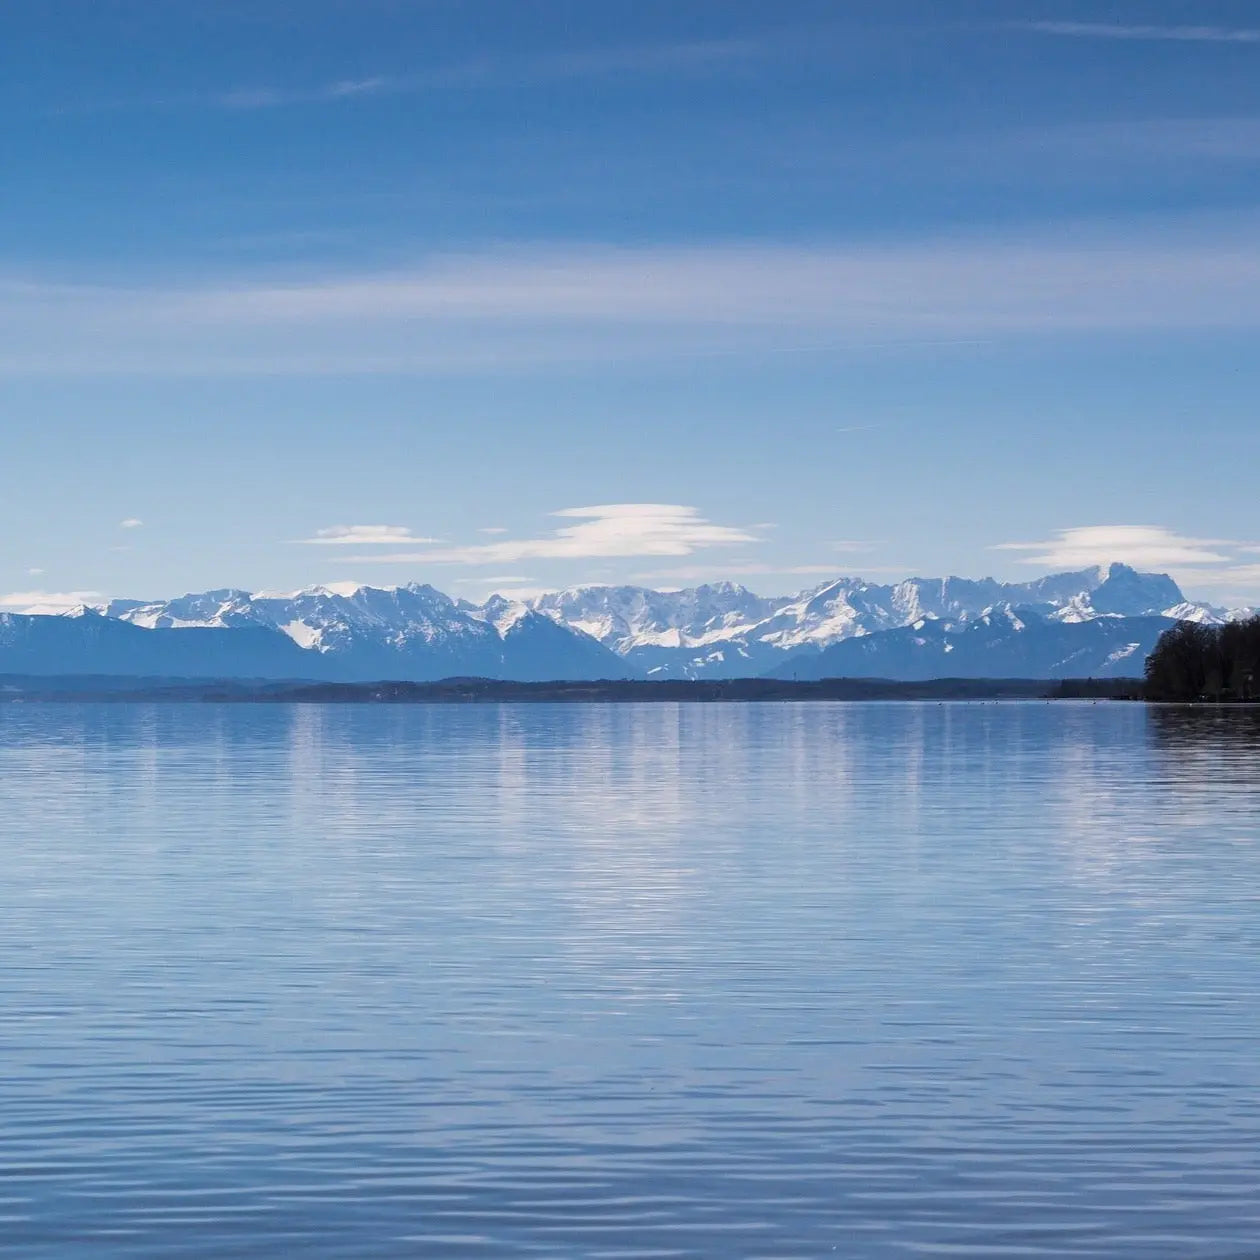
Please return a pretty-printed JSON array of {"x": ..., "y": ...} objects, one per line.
[{"x": 1098, "y": 622}]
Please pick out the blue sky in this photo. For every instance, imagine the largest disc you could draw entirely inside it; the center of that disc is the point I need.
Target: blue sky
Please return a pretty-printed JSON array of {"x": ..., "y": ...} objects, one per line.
[{"x": 514, "y": 296}]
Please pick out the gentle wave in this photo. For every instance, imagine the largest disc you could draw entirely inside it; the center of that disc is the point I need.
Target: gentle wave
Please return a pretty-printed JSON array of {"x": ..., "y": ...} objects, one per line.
[{"x": 629, "y": 981}]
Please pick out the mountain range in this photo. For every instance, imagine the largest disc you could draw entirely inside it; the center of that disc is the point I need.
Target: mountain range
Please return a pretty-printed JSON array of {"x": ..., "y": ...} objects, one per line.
[{"x": 1097, "y": 622}]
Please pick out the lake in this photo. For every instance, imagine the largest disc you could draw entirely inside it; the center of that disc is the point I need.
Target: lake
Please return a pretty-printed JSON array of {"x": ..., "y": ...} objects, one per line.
[{"x": 874, "y": 980}]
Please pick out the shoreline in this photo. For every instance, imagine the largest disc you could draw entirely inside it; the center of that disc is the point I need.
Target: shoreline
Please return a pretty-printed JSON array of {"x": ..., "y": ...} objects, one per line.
[{"x": 98, "y": 689}]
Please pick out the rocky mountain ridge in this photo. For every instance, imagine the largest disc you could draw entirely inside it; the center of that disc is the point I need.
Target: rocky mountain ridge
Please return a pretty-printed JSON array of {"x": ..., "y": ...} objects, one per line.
[
  {"x": 724, "y": 630},
  {"x": 1087, "y": 622}
]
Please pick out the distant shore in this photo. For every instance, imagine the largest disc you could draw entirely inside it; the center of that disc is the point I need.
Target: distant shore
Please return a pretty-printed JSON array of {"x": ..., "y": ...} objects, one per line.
[{"x": 497, "y": 691}]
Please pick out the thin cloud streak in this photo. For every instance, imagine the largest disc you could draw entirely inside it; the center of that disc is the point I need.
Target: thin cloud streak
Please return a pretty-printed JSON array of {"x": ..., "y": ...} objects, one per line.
[
  {"x": 365, "y": 535},
  {"x": 1141, "y": 31},
  {"x": 271, "y": 98},
  {"x": 547, "y": 306},
  {"x": 684, "y": 58}
]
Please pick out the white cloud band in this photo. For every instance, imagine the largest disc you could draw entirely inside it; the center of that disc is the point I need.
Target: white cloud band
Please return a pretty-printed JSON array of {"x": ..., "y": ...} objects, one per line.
[
  {"x": 1143, "y": 546},
  {"x": 365, "y": 536},
  {"x": 534, "y": 307},
  {"x": 607, "y": 530},
  {"x": 1140, "y": 31},
  {"x": 46, "y": 603}
]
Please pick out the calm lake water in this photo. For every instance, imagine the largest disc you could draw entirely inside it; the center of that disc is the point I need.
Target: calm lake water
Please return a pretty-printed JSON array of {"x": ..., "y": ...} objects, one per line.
[{"x": 623, "y": 981}]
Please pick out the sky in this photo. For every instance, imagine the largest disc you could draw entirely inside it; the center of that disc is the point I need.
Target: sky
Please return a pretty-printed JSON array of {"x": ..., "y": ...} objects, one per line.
[{"x": 516, "y": 296}]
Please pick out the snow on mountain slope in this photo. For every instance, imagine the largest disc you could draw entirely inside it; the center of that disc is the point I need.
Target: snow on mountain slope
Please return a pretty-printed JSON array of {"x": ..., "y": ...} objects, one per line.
[
  {"x": 717, "y": 630},
  {"x": 726, "y": 631},
  {"x": 1002, "y": 645},
  {"x": 501, "y": 613},
  {"x": 625, "y": 617},
  {"x": 538, "y": 649},
  {"x": 411, "y": 632}
]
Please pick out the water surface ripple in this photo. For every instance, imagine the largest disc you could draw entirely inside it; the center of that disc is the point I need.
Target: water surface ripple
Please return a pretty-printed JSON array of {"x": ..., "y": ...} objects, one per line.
[{"x": 629, "y": 981}]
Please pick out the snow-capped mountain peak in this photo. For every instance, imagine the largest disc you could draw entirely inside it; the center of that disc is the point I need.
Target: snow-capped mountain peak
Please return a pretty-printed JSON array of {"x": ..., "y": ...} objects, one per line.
[
  {"x": 500, "y": 612},
  {"x": 724, "y": 629},
  {"x": 377, "y": 632},
  {"x": 353, "y": 631}
]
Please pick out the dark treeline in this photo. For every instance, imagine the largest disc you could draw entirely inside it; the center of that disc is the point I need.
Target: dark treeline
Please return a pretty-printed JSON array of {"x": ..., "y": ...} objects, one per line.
[
  {"x": 1096, "y": 689},
  {"x": 496, "y": 691},
  {"x": 1194, "y": 662}
]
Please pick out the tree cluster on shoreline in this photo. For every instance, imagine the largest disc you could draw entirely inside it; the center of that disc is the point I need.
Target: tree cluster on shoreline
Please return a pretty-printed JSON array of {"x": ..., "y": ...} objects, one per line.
[{"x": 1196, "y": 662}]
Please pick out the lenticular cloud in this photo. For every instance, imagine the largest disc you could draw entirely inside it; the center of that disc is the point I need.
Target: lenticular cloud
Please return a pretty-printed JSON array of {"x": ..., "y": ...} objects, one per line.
[
  {"x": 1149, "y": 546},
  {"x": 606, "y": 530}
]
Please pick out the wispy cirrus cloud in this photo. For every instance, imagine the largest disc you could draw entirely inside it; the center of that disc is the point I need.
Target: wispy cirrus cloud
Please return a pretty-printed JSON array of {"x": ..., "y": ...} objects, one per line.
[
  {"x": 543, "y": 306},
  {"x": 131, "y": 522},
  {"x": 607, "y": 530},
  {"x": 365, "y": 536},
  {"x": 1147, "y": 31},
  {"x": 493, "y": 71},
  {"x": 682, "y": 57},
  {"x": 241, "y": 99},
  {"x": 275, "y": 97}
]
